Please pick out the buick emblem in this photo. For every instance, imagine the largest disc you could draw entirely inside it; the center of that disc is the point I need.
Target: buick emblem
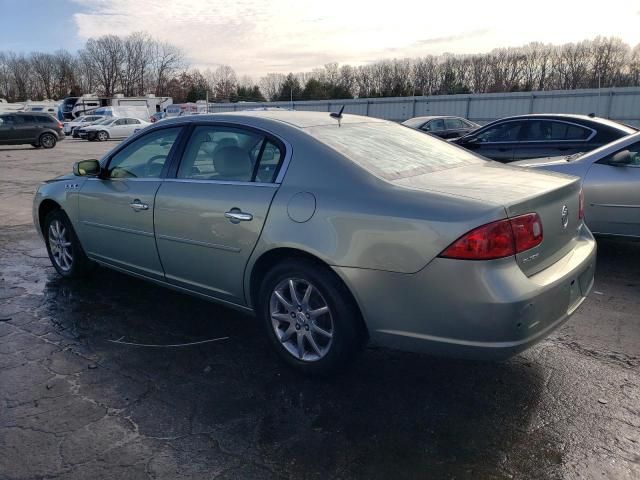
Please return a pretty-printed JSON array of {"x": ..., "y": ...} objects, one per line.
[{"x": 565, "y": 216}]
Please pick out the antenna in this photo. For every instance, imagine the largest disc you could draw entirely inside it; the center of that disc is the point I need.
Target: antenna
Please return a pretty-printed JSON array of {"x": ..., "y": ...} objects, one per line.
[{"x": 337, "y": 116}]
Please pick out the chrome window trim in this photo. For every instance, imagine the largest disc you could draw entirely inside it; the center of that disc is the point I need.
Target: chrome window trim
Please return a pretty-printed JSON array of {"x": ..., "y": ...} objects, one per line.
[
  {"x": 221, "y": 182},
  {"x": 593, "y": 132}
]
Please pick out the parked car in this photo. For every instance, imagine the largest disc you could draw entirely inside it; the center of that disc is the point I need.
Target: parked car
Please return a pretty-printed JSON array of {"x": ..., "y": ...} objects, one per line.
[
  {"x": 36, "y": 129},
  {"x": 333, "y": 230},
  {"x": 112, "y": 127},
  {"x": 83, "y": 121},
  {"x": 542, "y": 135},
  {"x": 443, "y": 127},
  {"x": 157, "y": 116},
  {"x": 611, "y": 183}
]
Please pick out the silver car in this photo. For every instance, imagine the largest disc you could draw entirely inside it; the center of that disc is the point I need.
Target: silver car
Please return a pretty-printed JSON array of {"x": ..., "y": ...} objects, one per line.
[
  {"x": 334, "y": 230},
  {"x": 611, "y": 183}
]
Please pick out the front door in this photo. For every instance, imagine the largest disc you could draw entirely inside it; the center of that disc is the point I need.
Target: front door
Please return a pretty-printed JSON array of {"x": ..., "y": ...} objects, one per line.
[
  {"x": 119, "y": 129},
  {"x": 116, "y": 210},
  {"x": 612, "y": 195},
  {"x": 209, "y": 218}
]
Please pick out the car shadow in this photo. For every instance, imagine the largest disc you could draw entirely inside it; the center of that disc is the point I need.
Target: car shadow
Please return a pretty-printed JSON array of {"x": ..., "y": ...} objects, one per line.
[{"x": 390, "y": 415}]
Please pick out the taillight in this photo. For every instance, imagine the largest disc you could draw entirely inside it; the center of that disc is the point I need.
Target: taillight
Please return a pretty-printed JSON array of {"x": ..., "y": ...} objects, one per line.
[
  {"x": 498, "y": 239},
  {"x": 581, "y": 205}
]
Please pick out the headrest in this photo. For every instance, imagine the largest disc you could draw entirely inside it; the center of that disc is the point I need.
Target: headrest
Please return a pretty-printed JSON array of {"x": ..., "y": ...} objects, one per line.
[{"x": 232, "y": 163}]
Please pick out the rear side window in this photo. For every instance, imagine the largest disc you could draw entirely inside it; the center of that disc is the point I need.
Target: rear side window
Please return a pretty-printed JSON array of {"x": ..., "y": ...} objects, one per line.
[
  {"x": 47, "y": 119},
  {"x": 452, "y": 124},
  {"x": 391, "y": 151},
  {"x": 229, "y": 154},
  {"x": 546, "y": 130}
]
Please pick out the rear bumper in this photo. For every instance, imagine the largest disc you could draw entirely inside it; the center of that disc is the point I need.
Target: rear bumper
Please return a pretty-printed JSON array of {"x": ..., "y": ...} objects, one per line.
[{"x": 484, "y": 310}]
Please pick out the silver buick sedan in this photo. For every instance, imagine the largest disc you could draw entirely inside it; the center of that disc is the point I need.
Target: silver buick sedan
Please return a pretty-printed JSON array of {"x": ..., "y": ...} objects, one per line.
[{"x": 335, "y": 230}]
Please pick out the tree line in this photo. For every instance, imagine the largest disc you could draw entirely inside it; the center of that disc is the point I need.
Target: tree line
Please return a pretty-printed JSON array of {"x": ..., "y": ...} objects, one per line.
[{"x": 139, "y": 64}]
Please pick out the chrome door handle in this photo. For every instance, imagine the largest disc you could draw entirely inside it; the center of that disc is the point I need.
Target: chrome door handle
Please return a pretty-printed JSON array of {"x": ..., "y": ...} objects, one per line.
[
  {"x": 237, "y": 216},
  {"x": 137, "y": 205}
]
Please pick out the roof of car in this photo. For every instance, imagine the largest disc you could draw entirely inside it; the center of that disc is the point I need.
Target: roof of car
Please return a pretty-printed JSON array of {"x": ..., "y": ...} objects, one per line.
[{"x": 295, "y": 118}]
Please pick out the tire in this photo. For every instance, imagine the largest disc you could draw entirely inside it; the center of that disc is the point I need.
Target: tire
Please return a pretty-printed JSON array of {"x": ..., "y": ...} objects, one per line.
[
  {"x": 335, "y": 333},
  {"x": 36, "y": 145},
  {"x": 48, "y": 140},
  {"x": 60, "y": 237},
  {"x": 102, "y": 136}
]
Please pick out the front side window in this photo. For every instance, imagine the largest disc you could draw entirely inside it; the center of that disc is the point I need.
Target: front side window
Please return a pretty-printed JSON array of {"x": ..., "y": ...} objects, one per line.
[
  {"x": 145, "y": 157},
  {"x": 435, "y": 126},
  {"x": 122, "y": 121},
  {"x": 229, "y": 154},
  {"x": 503, "y": 132}
]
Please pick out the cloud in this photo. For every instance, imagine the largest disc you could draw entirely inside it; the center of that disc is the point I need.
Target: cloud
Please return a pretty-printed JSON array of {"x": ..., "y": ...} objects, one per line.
[{"x": 258, "y": 36}]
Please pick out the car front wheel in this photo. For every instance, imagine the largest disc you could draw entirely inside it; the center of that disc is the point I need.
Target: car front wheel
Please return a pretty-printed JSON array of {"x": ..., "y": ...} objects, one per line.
[
  {"x": 64, "y": 249},
  {"x": 103, "y": 136},
  {"x": 311, "y": 319},
  {"x": 47, "y": 140}
]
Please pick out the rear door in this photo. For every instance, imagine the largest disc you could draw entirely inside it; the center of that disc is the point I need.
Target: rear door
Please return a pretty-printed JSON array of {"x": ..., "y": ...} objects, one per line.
[
  {"x": 612, "y": 195},
  {"x": 210, "y": 216}
]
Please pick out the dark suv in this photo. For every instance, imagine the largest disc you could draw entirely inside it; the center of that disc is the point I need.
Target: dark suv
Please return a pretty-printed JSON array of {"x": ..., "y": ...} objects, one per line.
[
  {"x": 542, "y": 135},
  {"x": 36, "y": 129}
]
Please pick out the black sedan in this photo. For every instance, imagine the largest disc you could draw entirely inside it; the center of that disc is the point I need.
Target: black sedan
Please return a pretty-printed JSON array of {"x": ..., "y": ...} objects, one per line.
[
  {"x": 443, "y": 127},
  {"x": 542, "y": 135}
]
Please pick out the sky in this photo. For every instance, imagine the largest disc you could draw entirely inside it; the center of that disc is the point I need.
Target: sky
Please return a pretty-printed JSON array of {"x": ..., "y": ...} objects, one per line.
[{"x": 260, "y": 36}]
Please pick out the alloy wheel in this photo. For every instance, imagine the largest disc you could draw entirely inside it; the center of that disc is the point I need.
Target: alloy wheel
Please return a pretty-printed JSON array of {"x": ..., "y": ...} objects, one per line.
[
  {"x": 47, "y": 141},
  {"x": 301, "y": 319},
  {"x": 60, "y": 245}
]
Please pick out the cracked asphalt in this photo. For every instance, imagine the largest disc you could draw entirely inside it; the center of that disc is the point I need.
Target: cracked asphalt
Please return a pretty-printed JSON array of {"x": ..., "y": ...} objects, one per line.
[{"x": 76, "y": 403}]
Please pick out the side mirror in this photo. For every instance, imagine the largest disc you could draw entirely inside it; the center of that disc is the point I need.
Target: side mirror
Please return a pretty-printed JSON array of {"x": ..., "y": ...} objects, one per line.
[
  {"x": 621, "y": 158},
  {"x": 87, "y": 168}
]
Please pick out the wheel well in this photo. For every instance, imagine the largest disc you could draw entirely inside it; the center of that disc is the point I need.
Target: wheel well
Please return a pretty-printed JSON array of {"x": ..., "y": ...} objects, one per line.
[
  {"x": 271, "y": 258},
  {"x": 45, "y": 208}
]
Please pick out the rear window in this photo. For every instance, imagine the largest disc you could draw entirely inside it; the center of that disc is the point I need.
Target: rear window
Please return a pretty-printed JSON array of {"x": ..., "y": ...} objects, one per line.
[{"x": 392, "y": 151}]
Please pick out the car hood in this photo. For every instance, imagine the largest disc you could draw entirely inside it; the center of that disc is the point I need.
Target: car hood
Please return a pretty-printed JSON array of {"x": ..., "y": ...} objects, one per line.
[{"x": 489, "y": 182}]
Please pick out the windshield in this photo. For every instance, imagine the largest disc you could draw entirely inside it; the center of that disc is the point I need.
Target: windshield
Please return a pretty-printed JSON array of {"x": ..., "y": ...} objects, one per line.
[{"x": 392, "y": 151}]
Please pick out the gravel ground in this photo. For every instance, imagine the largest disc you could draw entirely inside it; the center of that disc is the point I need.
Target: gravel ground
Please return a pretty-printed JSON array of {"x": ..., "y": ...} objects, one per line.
[{"x": 76, "y": 402}]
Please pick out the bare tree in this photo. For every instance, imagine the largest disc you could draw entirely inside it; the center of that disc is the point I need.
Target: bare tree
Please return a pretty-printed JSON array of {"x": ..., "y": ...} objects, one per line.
[
  {"x": 43, "y": 66},
  {"x": 167, "y": 60},
  {"x": 223, "y": 82},
  {"x": 271, "y": 84},
  {"x": 107, "y": 56},
  {"x": 608, "y": 59},
  {"x": 20, "y": 74}
]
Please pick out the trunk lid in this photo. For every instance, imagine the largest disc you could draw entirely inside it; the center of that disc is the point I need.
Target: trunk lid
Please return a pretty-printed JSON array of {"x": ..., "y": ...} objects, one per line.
[{"x": 553, "y": 196}]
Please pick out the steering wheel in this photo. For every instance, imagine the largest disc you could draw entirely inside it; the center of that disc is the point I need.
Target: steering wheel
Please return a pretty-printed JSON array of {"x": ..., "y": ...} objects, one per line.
[{"x": 153, "y": 168}]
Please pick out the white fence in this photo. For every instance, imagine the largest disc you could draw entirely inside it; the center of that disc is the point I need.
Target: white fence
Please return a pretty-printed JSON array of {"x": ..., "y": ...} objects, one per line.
[{"x": 621, "y": 104}]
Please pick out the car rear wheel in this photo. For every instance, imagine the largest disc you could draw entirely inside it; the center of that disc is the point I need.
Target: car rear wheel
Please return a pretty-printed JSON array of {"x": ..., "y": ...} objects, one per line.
[
  {"x": 310, "y": 317},
  {"x": 47, "y": 140},
  {"x": 102, "y": 136},
  {"x": 64, "y": 249}
]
